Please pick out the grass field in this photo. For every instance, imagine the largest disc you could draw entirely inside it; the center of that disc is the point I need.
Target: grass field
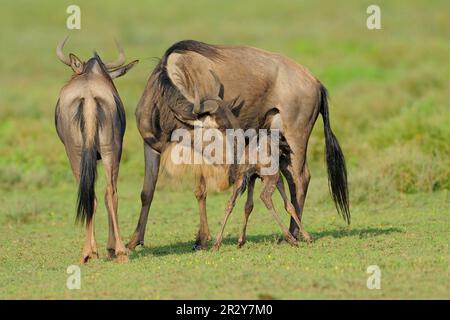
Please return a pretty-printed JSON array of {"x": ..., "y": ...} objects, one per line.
[{"x": 389, "y": 108}]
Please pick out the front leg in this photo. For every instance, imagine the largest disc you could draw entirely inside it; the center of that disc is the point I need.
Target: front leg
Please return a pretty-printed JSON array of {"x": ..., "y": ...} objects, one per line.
[
  {"x": 230, "y": 205},
  {"x": 203, "y": 233},
  {"x": 152, "y": 160}
]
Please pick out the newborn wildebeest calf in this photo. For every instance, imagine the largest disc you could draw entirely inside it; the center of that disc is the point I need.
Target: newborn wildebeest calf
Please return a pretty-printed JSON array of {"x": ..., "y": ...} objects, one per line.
[
  {"x": 245, "y": 173},
  {"x": 90, "y": 121}
]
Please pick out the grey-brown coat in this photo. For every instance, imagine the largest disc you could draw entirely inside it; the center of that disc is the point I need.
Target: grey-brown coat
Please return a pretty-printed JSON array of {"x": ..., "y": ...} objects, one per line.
[
  {"x": 90, "y": 121},
  {"x": 263, "y": 81}
]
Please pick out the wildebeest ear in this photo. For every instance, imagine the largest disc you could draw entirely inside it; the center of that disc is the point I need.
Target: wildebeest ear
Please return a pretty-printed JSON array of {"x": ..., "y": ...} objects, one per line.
[
  {"x": 210, "y": 106},
  {"x": 76, "y": 64},
  {"x": 122, "y": 70},
  {"x": 236, "y": 108}
]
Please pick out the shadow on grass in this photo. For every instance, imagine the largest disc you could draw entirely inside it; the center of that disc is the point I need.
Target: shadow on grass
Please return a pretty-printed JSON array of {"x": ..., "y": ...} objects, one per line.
[
  {"x": 361, "y": 233},
  {"x": 185, "y": 247}
]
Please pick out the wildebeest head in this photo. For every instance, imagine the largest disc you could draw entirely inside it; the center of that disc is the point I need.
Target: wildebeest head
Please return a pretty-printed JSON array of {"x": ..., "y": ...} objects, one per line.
[
  {"x": 90, "y": 94},
  {"x": 110, "y": 70},
  {"x": 212, "y": 112}
]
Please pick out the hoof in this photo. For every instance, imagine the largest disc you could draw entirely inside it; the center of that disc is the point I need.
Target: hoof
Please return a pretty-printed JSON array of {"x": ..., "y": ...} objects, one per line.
[
  {"x": 111, "y": 254},
  {"x": 215, "y": 248},
  {"x": 292, "y": 241},
  {"x": 133, "y": 243},
  {"x": 121, "y": 257},
  {"x": 198, "y": 247},
  {"x": 200, "y": 244},
  {"x": 306, "y": 237},
  {"x": 86, "y": 258},
  {"x": 281, "y": 240},
  {"x": 241, "y": 243}
]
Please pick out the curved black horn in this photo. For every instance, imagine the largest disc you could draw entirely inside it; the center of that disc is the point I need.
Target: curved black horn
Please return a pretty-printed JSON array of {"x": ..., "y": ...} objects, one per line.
[
  {"x": 59, "y": 52},
  {"x": 120, "y": 60}
]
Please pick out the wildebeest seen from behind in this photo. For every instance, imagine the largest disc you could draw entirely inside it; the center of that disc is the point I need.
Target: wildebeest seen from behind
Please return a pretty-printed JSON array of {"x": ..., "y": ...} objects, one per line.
[
  {"x": 90, "y": 121},
  {"x": 263, "y": 80}
]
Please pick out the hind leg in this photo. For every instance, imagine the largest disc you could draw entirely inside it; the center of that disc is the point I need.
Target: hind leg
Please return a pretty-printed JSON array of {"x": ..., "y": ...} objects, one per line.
[
  {"x": 269, "y": 185},
  {"x": 89, "y": 251},
  {"x": 299, "y": 113},
  {"x": 247, "y": 211},
  {"x": 291, "y": 210},
  {"x": 111, "y": 245},
  {"x": 111, "y": 202},
  {"x": 297, "y": 176},
  {"x": 90, "y": 246}
]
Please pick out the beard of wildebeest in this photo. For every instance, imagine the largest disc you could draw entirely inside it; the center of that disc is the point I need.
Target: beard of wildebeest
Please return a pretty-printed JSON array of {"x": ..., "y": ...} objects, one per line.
[{"x": 263, "y": 81}]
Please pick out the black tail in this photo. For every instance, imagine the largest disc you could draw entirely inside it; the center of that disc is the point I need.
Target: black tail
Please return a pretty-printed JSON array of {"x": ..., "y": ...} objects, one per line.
[
  {"x": 86, "y": 188},
  {"x": 337, "y": 171}
]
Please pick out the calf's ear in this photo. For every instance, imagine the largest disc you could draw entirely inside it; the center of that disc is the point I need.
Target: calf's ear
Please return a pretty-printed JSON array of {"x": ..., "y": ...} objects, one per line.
[
  {"x": 210, "y": 106},
  {"x": 76, "y": 64},
  {"x": 122, "y": 70}
]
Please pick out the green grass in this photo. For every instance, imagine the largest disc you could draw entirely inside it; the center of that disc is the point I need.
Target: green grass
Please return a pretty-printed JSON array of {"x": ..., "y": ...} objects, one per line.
[
  {"x": 389, "y": 109},
  {"x": 405, "y": 238}
]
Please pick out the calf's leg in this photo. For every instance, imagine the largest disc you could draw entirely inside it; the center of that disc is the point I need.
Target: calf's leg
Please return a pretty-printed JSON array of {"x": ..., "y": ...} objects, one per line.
[
  {"x": 247, "y": 211},
  {"x": 269, "y": 185},
  {"x": 230, "y": 205}
]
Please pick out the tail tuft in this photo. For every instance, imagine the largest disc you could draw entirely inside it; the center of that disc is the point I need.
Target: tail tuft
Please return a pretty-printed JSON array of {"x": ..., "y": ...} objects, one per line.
[
  {"x": 337, "y": 170},
  {"x": 86, "y": 188}
]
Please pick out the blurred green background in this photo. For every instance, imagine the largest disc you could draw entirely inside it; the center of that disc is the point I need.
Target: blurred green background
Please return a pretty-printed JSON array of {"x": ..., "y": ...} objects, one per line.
[{"x": 389, "y": 110}]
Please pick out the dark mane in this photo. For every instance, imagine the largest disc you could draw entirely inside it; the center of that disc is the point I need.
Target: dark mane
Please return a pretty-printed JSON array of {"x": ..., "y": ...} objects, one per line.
[{"x": 206, "y": 50}]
